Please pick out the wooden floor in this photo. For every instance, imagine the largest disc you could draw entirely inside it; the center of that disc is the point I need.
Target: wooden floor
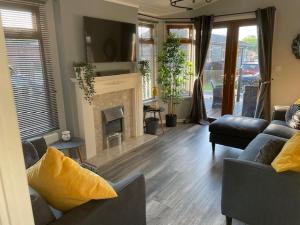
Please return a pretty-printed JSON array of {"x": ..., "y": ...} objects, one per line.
[{"x": 183, "y": 178}]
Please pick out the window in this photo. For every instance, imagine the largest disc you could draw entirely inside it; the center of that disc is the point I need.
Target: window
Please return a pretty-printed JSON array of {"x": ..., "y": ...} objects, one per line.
[
  {"x": 147, "y": 52},
  {"x": 30, "y": 65},
  {"x": 185, "y": 33}
]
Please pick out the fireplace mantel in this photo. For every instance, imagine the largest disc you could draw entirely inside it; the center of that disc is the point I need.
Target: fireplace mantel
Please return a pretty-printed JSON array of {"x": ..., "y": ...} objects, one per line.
[{"x": 105, "y": 85}]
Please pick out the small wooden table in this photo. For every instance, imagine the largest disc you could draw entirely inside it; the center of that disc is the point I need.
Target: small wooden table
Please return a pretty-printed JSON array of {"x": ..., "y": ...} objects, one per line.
[
  {"x": 74, "y": 144},
  {"x": 148, "y": 109}
]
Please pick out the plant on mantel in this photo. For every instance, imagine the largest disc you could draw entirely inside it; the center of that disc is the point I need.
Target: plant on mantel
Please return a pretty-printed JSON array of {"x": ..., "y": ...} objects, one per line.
[
  {"x": 84, "y": 73},
  {"x": 172, "y": 72},
  {"x": 144, "y": 68}
]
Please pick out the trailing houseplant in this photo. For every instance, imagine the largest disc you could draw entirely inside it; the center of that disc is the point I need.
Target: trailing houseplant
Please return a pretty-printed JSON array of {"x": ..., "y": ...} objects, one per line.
[
  {"x": 144, "y": 68},
  {"x": 85, "y": 75},
  {"x": 172, "y": 76}
]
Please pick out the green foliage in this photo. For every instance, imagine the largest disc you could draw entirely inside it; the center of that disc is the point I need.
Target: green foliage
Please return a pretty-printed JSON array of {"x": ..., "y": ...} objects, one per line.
[
  {"x": 190, "y": 68},
  {"x": 144, "y": 67},
  {"x": 86, "y": 83},
  {"x": 251, "y": 39},
  {"x": 172, "y": 72}
]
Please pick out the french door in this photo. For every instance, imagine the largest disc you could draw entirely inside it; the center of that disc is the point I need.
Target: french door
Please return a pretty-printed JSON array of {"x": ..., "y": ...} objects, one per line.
[{"x": 231, "y": 72}]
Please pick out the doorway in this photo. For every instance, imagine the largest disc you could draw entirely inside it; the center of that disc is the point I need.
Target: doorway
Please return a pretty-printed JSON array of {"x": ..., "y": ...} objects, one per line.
[{"x": 231, "y": 71}]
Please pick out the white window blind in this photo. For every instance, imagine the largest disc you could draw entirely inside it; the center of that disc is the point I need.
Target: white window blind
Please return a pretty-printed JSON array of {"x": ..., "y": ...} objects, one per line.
[{"x": 29, "y": 57}]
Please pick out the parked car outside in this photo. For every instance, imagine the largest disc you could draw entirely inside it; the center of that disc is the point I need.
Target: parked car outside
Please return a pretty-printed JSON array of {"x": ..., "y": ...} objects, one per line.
[{"x": 249, "y": 68}]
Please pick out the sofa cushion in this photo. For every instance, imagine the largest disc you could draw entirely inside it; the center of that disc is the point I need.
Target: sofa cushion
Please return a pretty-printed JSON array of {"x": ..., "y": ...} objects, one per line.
[
  {"x": 238, "y": 126},
  {"x": 30, "y": 154},
  {"x": 280, "y": 129},
  {"x": 64, "y": 183},
  {"x": 268, "y": 152},
  {"x": 40, "y": 209},
  {"x": 289, "y": 158},
  {"x": 254, "y": 147},
  {"x": 292, "y": 116},
  {"x": 40, "y": 145}
]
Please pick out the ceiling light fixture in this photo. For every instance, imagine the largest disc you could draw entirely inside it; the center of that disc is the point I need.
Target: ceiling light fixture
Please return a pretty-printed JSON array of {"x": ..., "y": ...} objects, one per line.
[{"x": 174, "y": 4}]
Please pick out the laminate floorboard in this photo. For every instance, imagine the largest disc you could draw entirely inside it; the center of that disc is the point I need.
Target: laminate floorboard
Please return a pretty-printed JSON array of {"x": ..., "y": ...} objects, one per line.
[{"x": 183, "y": 177}]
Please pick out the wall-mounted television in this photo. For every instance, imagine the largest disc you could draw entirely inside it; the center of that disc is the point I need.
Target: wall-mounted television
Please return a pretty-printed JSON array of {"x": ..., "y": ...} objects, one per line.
[{"x": 109, "y": 41}]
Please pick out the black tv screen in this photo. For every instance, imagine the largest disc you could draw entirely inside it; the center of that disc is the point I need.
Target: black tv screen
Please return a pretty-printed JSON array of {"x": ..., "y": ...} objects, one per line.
[{"x": 109, "y": 41}]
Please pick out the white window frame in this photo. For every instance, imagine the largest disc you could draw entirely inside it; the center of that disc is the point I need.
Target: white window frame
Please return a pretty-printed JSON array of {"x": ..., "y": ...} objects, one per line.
[
  {"x": 191, "y": 40},
  {"x": 154, "y": 38}
]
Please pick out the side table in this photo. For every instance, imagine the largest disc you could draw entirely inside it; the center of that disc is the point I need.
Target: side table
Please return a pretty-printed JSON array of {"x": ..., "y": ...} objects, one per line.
[{"x": 74, "y": 144}]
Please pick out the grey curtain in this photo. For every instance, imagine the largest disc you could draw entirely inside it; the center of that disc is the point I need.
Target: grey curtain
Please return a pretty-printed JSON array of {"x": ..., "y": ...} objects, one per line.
[
  {"x": 265, "y": 22},
  {"x": 203, "y": 26}
]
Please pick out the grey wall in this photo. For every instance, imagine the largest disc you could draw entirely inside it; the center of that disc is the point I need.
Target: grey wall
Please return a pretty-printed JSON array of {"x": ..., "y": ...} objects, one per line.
[
  {"x": 69, "y": 30},
  {"x": 286, "y": 68}
]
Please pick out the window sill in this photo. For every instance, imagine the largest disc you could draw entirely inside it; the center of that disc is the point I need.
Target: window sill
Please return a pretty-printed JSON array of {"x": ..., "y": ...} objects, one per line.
[
  {"x": 146, "y": 101},
  {"x": 187, "y": 97},
  {"x": 150, "y": 100}
]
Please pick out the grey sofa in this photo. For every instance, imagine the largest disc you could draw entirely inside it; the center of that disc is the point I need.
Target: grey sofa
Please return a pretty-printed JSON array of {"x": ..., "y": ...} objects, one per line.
[
  {"x": 253, "y": 192},
  {"x": 129, "y": 208}
]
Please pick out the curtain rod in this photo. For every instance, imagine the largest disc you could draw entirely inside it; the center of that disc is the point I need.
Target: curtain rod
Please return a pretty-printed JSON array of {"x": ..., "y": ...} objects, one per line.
[{"x": 185, "y": 18}]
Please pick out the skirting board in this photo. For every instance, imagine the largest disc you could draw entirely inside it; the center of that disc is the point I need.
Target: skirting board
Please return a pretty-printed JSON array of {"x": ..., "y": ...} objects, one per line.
[{"x": 178, "y": 121}]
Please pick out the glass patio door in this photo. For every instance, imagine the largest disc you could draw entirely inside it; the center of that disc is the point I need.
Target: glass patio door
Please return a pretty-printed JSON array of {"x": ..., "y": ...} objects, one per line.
[
  {"x": 214, "y": 73},
  {"x": 231, "y": 72},
  {"x": 247, "y": 72}
]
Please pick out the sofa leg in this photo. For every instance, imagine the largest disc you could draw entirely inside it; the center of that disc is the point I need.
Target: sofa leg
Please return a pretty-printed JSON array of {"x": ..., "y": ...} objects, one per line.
[
  {"x": 228, "y": 220},
  {"x": 213, "y": 145}
]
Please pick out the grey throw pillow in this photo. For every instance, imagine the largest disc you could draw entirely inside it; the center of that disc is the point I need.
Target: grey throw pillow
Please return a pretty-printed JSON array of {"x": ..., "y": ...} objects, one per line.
[
  {"x": 269, "y": 151},
  {"x": 292, "y": 116},
  {"x": 41, "y": 211},
  {"x": 37, "y": 202},
  {"x": 30, "y": 154}
]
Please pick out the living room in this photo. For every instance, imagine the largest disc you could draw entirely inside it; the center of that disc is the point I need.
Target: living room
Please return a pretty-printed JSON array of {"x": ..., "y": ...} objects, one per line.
[{"x": 138, "y": 112}]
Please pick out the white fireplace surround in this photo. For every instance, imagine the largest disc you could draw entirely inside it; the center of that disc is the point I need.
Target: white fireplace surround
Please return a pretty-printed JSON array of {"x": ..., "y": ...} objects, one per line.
[{"x": 105, "y": 85}]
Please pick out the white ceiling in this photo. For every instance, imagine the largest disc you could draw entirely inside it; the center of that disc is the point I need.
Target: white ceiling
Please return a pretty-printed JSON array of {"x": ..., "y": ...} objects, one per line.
[{"x": 160, "y": 7}]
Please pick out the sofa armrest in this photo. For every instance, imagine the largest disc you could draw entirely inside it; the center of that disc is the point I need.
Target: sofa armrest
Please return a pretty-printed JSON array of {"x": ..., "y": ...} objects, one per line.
[
  {"x": 279, "y": 112},
  {"x": 255, "y": 194},
  {"x": 129, "y": 208}
]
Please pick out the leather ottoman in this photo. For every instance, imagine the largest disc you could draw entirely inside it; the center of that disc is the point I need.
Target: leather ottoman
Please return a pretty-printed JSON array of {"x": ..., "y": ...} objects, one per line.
[{"x": 235, "y": 131}]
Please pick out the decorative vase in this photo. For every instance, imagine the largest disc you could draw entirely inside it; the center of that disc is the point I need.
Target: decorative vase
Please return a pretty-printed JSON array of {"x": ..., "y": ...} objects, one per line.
[
  {"x": 79, "y": 72},
  {"x": 171, "y": 120},
  {"x": 66, "y": 135}
]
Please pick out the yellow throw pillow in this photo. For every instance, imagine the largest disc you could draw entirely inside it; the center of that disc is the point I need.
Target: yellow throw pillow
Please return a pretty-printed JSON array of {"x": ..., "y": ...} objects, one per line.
[
  {"x": 64, "y": 183},
  {"x": 289, "y": 157},
  {"x": 297, "y": 102}
]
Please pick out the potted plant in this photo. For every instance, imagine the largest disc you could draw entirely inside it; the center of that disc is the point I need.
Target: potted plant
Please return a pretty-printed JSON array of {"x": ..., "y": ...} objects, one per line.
[
  {"x": 79, "y": 69},
  {"x": 172, "y": 76},
  {"x": 84, "y": 73},
  {"x": 144, "y": 68}
]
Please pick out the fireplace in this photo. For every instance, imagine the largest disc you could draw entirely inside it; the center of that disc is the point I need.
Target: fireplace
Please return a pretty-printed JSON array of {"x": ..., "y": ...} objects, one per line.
[
  {"x": 113, "y": 126},
  {"x": 121, "y": 91}
]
